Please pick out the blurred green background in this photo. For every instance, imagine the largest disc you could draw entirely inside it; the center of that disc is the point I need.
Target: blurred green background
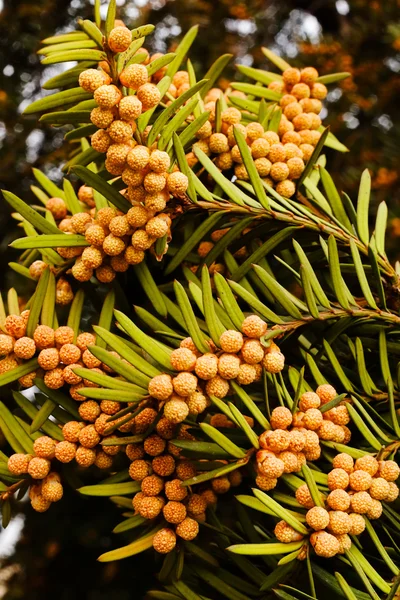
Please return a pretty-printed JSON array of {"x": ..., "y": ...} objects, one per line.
[{"x": 54, "y": 555}]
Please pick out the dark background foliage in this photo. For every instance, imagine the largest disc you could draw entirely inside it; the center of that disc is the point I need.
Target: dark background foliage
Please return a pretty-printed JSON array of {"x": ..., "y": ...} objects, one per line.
[{"x": 55, "y": 556}]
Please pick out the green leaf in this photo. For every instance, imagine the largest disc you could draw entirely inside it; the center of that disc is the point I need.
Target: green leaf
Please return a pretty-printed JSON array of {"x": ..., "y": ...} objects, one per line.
[
  {"x": 281, "y": 512},
  {"x": 165, "y": 115},
  {"x": 245, "y": 104},
  {"x": 127, "y": 353},
  {"x": 150, "y": 288},
  {"x": 110, "y": 18},
  {"x": 160, "y": 354},
  {"x": 17, "y": 431},
  {"x": 265, "y": 112},
  {"x": 59, "y": 398},
  {"x": 278, "y": 575},
  {"x": 370, "y": 417},
  {"x": 128, "y": 524},
  {"x": 380, "y": 228},
  {"x": 275, "y": 121},
  {"x": 66, "y": 117},
  {"x": 84, "y": 158},
  {"x": 67, "y": 78},
  {"x": 214, "y": 72},
  {"x": 143, "y": 543},
  {"x": 393, "y": 412},
  {"x": 193, "y": 240},
  {"x": 346, "y": 589},
  {"x": 262, "y": 251},
  {"x": 338, "y": 283},
  {"x": 182, "y": 50},
  {"x": 275, "y": 59},
  {"x": 363, "y": 207},
  {"x": 92, "y": 30},
  {"x": 80, "y": 132},
  {"x": 250, "y": 405},
  {"x": 308, "y": 475},
  {"x": 328, "y": 580},
  {"x": 184, "y": 167},
  {"x": 142, "y": 31},
  {"x": 362, "y": 278},
  {"x": 333, "y": 196},
  {"x": 218, "y": 584},
  {"x": 201, "y": 449},
  {"x": 257, "y": 90},
  {"x": 101, "y": 186},
  {"x": 288, "y": 558},
  {"x": 265, "y": 77},
  {"x": 49, "y": 187},
  {"x": 333, "y": 142},
  {"x": 395, "y": 584},
  {"x": 255, "y": 304},
  {"x": 189, "y": 317},
  {"x": 106, "y": 381},
  {"x": 75, "y": 312},
  {"x": 314, "y": 157},
  {"x": 279, "y": 292},
  {"x": 373, "y": 259},
  {"x": 43, "y": 414},
  {"x": 189, "y": 131},
  {"x": 333, "y": 77},
  {"x": 154, "y": 323},
  {"x": 184, "y": 591},
  {"x": 28, "y": 213},
  {"x": 316, "y": 286},
  {"x": 58, "y": 240},
  {"x": 222, "y": 441},
  {"x": 159, "y": 63},
  {"x": 208, "y": 475},
  {"x": 71, "y": 55},
  {"x": 48, "y": 312},
  {"x": 12, "y": 302},
  {"x": 73, "y": 45},
  {"x": 361, "y": 564},
  {"x": 231, "y": 235},
  {"x": 64, "y": 98},
  {"x": 163, "y": 595},
  {"x": 24, "y": 271},
  {"x": 114, "y": 489},
  {"x": 244, "y": 426},
  {"x": 40, "y": 194},
  {"x": 269, "y": 548},
  {"x": 214, "y": 325},
  {"x": 66, "y": 37},
  {"x": 71, "y": 198},
  {"x": 14, "y": 443},
  {"x": 126, "y": 370},
  {"x": 106, "y": 316},
  {"x": 346, "y": 383},
  {"x": 225, "y": 184},
  {"x": 308, "y": 293},
  {"x": 111, "y": 394},
  {"x": 364, "y": 430},
  {"x": 218, "y": 118},
  {"x": 332, "y": 403},
  {"x": 381, "y": 549},
  {"x": 5, "y": 512},
  {"x": 229, "y": 302},
  {"x": 248, "y": 161},
  {"x": 175, "y": 123},
  {"x": 223, "y": 408},
  {"x": 20, "y": 371}
]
